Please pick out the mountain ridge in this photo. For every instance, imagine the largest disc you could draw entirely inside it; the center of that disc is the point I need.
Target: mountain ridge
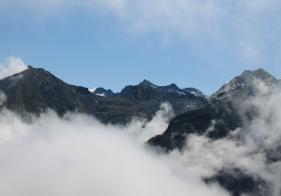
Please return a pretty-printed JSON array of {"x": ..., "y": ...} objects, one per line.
[{"x": 35, "y": 90}]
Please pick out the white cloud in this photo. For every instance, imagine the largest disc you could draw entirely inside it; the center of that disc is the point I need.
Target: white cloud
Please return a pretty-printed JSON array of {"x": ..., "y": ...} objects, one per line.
[
  {"x": 266, "y": 128},
  {"x": 77, "y": 155},
  {"x": 92, "y": 90},
  {"x": 143, "y": 130},
  {"x": 244, "y": 29},
  {"x": 11, "y": 66}
]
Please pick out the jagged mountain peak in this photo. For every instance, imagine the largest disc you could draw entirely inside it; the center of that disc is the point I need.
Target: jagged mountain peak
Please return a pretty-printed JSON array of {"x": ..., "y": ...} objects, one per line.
[
  {"x": 34, "y": 90},
  {"x": 145, "y": 82},
  {"x": 247, "y": 77},
  {"x": 146, "y": 90},
  {"x": 243, "y": 85},
  {"x": 32, "y": 72},
  {"x": 42, "y": 79},
  {"x": 258, "y": 73},
  {"x": 173, "y": 85},
  {"x": 194, "y": 91},
  {"x": 103, "y": 92},
  {"x": 32, "y": 69},
  {"x": 172, "y": 88},
  {"x": 31, "y": 77}
]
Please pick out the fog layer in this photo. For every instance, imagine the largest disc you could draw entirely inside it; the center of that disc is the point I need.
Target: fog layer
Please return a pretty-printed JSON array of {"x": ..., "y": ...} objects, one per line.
[{"x": 77, "y": 155}]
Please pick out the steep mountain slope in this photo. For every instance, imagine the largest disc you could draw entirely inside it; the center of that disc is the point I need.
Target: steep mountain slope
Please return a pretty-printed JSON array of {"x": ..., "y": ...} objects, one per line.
[
  {"x": 237, "y": 183},
  {"x": 35, "y": 90},
  {"x": 224, "y": 114},
  {"x": 243, "y": 86}
]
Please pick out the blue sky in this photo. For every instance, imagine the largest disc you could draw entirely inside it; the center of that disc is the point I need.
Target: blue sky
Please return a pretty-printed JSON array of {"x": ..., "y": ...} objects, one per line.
[{"x": 112, "y": 43}]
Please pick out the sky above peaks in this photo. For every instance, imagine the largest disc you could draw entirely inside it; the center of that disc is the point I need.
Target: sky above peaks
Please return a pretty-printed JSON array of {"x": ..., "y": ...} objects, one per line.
[{"x": 112, "y": 43}]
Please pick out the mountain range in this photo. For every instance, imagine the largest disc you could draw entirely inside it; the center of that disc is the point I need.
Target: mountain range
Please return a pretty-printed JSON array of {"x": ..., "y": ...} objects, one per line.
[{"x": 36, "y": 90}]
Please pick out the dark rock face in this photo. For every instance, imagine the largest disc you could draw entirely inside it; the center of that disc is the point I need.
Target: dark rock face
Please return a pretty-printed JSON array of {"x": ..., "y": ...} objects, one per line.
[
  {"x": 36, "y": 90},
  {"x": 214, "y": 121},
  {"x": 238, "y": 183}
]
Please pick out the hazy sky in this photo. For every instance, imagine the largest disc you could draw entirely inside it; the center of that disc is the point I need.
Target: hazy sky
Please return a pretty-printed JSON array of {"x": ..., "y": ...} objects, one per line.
[{"x": 112, "y": 43}]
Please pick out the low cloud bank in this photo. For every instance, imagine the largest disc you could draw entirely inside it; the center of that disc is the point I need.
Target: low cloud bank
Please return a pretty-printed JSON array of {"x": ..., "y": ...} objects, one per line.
[{"x": 77, "y": 155}]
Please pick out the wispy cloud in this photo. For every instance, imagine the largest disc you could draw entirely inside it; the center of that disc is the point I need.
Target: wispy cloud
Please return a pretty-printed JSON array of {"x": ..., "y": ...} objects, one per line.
[
  {"x": 11, "y": 66},
  {"x": 244, "y": 29},
  {"x": 77, "y": 155}
]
